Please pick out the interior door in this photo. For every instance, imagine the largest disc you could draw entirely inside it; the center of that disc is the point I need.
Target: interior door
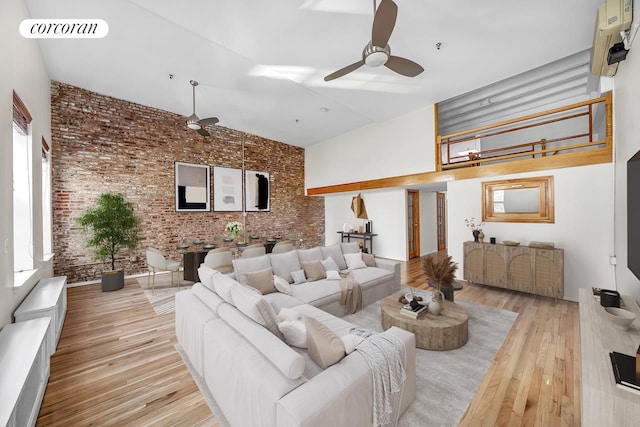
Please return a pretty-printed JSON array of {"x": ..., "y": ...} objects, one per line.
[
  {"x": 413, "y": 223},
  {"x": 441, "y": 222}
]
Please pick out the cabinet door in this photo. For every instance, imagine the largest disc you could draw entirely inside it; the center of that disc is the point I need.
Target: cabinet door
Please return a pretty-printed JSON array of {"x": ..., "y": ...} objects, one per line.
[
  {"x": 519, "y": 269},
  {"x": 495, "y": 265},
  {"x": 548, "y": 272},
  {"x": 473, "y": 262}
]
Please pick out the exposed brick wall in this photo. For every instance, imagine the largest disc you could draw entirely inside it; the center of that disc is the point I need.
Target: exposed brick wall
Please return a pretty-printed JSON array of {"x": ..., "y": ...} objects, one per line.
[{"x": 103, "y": 144}]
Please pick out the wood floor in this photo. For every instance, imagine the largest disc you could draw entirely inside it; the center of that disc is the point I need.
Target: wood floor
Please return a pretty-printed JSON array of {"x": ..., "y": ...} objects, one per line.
[{"x": 116, "y": 363}]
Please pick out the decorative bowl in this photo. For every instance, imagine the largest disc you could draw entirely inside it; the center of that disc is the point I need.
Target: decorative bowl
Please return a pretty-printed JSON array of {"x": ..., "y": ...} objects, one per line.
[
  {"x": 510, "y": 243},
  {"x": 209, "y": 246},
  {"x": 183, "y": 246},
  {"x": 619, "y": 317}
]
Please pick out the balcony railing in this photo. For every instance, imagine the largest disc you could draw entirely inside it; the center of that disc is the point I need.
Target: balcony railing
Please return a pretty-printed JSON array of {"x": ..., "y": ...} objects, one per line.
[{"x": 577, "y": 127}]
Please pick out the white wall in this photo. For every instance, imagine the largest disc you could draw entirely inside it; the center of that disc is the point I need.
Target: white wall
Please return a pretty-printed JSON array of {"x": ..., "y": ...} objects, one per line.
[
  {"x": 22, "y": 70},
  {"x": 400, "y": 146},
  {"x": 626, "y": 133},
  {"x": 428, "y": 222},
  {"x": 583, "y": 223},
  {"x": 387, "y": 211}
]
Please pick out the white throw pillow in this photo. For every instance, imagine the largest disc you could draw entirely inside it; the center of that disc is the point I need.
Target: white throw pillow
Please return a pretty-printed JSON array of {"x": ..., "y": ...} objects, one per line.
[
  {"x": 354, "y": 261},
  {"x": 295, "y": 333},
  {"x": 298, "y": 277},
  {"x": 288, "y": 314},
  {"x": 350, "y": 342},
  {"x": 333, "y": 275},
  {"x": 329, "y": 265},
  {"x": 282, "y": 285}
]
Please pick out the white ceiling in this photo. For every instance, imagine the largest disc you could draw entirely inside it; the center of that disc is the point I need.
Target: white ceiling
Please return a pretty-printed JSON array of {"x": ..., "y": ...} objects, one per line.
[{"x": 261, "y": 63}]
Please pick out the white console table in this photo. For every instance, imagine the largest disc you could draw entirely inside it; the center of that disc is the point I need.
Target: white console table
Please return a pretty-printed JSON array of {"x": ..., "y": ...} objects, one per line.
[
  {"x": 603, "y": 404},
  {"x": 24, "y": 371},
  {"x": 48, "y": 298}
]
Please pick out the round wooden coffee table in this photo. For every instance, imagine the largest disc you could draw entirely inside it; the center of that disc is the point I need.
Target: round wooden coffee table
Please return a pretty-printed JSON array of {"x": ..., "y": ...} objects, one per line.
[{"x": 446, "y": 331}]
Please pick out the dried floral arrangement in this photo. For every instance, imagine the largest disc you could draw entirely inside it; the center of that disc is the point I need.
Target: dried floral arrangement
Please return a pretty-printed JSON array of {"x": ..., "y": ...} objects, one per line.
[
  {"x": 439, "y": 273},
  {"x": 471, "y": 224}
]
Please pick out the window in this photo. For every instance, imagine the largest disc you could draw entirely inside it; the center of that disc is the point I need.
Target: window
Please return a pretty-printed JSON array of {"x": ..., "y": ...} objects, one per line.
[{"x": 46, "y": 199}]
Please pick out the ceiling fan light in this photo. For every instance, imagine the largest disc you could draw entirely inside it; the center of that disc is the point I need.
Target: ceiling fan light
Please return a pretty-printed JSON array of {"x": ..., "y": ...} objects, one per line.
[
  {"x": 193, "y": 122},
  {"x": 376, "y": 59}
]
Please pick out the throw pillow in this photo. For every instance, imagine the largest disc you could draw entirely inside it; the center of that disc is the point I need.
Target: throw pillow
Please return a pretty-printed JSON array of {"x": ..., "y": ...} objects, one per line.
[
  {"x": 282, "y": 285},
  {"x": 354, "y": 261},
  {"x": 298, "y": 277},
  {"x": 295, "y": 333},
  {"x": 350, "y": 342},
  {"x": 253, "y": 305},
  {"x": 325, "y": 347},
  {"x": 288, "y": 314},
  {"x": 262, "y": 280},
  {"x": 369, "y": 260},
  {"x": 335, "y": 252},
  {"x": 313, "y": 270},
  {"x": 242, "y": 266},
  {"x": 329, "y": 264},
  {"x": 333, "y": 275}
]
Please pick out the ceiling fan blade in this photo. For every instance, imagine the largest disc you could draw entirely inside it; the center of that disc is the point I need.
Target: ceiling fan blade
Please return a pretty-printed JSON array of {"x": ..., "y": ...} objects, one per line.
[
  {"x": 383, "y": 23},
  {"x": 209, "y": 121},
  {"x": 203, "y": 132},
  {"x": 403, "y": 66},
  {"x": 346, "y": 70}
]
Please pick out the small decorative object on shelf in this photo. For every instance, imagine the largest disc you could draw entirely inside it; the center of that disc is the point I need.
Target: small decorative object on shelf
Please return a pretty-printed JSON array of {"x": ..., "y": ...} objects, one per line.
[
  {"x": 475, "y": 228},
  {"x": 233, "y": 228}
]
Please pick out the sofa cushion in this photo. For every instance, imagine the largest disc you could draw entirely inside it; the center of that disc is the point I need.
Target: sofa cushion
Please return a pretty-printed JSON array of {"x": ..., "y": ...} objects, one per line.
[
  {"x": 206, "y": 276},
  {"x": 262, "y": 280},
  {"x": 369, "y": 260},
  {"x": 242, "y": 266},
  {"x": 370, "y": 276},
  {"x": 284, "y": 263},
  {"x": 313, "y": 270},
  {"x": 329, "y": 264},
  {"x": 278, "y": 301},
  {"x": 313, "y": 254},
  {"x": 208, "y": 297},
  {"x": 295, "y": 333},
  {"x": 335, "y": 252},
  {"x": 251, "y": 303},
  {"x": 282, "y": 285},
  {"x": 312, "y": 292},
  {"x": 354, "y": 261},
  {"x": 325, "y": 347},
  {"x": 222, "y": 285},
  {"x": 350, "y": 247}
]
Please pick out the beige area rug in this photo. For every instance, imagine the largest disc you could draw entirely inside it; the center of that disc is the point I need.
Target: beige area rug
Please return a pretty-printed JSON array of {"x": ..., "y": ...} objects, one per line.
[{"x": 163, "y": 299}]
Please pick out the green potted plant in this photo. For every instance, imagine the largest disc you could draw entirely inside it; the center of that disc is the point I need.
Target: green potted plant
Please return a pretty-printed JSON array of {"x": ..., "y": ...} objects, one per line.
[{"x": 113, "y": 226}]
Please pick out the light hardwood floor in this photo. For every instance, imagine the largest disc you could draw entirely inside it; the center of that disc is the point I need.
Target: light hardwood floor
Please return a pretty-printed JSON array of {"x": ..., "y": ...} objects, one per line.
[{"x": 116, "y": 363}]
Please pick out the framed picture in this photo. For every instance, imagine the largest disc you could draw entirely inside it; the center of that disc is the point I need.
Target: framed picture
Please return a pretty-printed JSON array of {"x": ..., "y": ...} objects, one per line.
[
  {"x": 227, "y": 189},
  {"x": 256, "y": 191},
  {"x": 192, "y": 187}
]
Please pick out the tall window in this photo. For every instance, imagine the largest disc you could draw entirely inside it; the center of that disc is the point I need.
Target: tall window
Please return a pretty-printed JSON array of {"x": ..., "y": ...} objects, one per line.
[
  {"x": 46, "y": 198},
  {"x": 22, "y": 188}
]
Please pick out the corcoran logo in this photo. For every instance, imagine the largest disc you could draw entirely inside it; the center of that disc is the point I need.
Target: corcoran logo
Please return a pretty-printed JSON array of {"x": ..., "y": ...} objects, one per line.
[{"x": 64, "y": 28}]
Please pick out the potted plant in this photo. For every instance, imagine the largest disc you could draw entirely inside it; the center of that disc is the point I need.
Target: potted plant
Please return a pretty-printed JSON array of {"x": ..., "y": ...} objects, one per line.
[
  {"x": 440, "y": 275},
  {"x": 113, "y": 226}
]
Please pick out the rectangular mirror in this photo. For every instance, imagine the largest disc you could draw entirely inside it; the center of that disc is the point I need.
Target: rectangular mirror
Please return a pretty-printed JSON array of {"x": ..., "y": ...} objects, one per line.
[
  {"x": 192, "y": 187},
  {"x": 518, "y": 200}
]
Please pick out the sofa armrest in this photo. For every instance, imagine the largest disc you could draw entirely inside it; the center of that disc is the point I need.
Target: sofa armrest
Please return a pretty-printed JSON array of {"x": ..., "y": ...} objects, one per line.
[
  {"x": 392, "y": 266},
  {"x": 343, "y": 393}
]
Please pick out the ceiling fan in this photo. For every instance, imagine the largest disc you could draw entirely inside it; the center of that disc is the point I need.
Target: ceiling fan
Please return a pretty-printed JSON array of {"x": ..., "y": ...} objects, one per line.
[
  {"x": 377, "y": 52},
  {"x": 193, "y": 121}
]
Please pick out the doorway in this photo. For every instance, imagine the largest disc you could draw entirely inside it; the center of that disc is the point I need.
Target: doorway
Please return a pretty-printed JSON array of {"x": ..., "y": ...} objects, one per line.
[
  {"x": 413, "y": 223},
  {"x": 441, "y": 221}
]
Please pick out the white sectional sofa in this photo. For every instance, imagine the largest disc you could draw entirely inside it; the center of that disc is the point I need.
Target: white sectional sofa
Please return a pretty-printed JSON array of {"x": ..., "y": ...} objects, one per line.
[{"x": 230, "y": 334}]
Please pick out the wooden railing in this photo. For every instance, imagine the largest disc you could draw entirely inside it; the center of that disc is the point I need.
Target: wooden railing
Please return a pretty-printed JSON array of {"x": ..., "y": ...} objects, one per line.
[{"x": 547, "y": 146}]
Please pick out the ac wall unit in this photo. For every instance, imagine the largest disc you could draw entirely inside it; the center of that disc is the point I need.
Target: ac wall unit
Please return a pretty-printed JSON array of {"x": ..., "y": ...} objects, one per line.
[{"x": 613, "y": 17}]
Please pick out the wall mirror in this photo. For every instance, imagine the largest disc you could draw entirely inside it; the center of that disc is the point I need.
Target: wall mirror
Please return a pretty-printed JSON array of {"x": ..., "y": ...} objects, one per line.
[
  {"x": 192, "y": 187},
  {"x": 518, "y": 200}
]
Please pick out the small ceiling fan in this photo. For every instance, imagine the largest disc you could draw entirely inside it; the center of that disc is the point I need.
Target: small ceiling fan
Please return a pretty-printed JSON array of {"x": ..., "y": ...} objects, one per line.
[
  {"x": 377, "y": 52},
  {"x": 193, "y": 121}
]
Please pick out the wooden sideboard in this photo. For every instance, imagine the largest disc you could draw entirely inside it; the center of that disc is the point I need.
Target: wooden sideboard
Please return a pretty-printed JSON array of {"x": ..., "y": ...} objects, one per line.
[
  {"x": 521, "y": 268},
  {"x": 603, "y": 404}
]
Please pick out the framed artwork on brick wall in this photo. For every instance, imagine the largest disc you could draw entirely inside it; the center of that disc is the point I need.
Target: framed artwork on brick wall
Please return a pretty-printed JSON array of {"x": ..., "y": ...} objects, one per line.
[
  {"x": 256, "y": 191},
  {"x": 192, "y": 187},
  {"x": 227, "y": 189}
]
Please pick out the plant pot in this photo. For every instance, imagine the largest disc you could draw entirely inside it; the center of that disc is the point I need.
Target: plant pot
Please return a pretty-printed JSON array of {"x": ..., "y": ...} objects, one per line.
[{"x": 112, "y": 280}]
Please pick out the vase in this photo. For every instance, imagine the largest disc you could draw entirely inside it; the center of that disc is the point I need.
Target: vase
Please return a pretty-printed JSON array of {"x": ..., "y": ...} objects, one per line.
[
  {"x": 481, "y": 236},
  {"x": 476, "y": 234},
  {"x": 234, "y": 234},
  {"x": 434, "y": 308}
]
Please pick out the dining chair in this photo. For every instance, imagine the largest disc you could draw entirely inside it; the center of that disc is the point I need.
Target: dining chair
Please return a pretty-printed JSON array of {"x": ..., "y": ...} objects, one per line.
[
  {"x": 220, "y": 259},
  {"x": 283, "y": 246},
  {"x": 157, "y": 262},
  {"x": 253, "y": 251}
]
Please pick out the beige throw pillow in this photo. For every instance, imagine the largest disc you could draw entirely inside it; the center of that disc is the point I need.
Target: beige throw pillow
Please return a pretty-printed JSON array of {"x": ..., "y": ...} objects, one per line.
[
  {"x": 369, "y": 260},
  {"x": 262, "y": 280},
  {"x": 313, "y": 270},
  {"x": 325, "y": 347}
]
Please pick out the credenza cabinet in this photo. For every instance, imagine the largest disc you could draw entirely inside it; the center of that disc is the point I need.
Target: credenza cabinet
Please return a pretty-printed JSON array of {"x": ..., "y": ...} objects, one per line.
[{"x": 520, "y": 268}]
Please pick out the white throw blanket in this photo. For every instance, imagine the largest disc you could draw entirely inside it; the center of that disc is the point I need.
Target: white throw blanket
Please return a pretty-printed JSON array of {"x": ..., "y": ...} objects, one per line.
[{"x": 385, "y": 354}]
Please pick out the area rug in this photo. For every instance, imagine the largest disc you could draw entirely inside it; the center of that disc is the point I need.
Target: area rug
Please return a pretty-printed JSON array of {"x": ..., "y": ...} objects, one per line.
[
  {"x": 163, "y": 299},
  {"x": 447, "y": 380}
]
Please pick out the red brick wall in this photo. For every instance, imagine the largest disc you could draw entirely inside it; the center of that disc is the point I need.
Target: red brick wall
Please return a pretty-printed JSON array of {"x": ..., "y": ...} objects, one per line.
[{"x": 103, "y": 144}]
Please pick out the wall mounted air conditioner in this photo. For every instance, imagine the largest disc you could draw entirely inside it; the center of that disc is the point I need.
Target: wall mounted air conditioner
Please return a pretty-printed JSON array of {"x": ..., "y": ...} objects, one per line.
[{"x": 613, "y": 17}]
